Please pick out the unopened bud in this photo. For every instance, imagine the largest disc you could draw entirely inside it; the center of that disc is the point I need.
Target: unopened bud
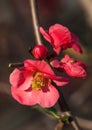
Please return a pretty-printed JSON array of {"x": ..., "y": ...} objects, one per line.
[{"x": 40, "y": 51}]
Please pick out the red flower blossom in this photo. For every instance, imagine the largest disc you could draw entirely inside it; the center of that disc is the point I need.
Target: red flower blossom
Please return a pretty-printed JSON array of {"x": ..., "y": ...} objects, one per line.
[
  {"x": 73, "y": 68},
  {"x": 61, "y": 38},
  {"x": 31, "y": 84},
  {"x": 40, "y": 51}
]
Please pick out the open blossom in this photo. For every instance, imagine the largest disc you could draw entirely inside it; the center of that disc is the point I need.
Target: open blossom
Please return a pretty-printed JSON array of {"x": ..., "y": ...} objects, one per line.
[
  {"x": 40, "y": 51},
  {"x": 73, "y": 68},
  {"x": 61, "y": 38},
  {"x": 31, "y": 84}
]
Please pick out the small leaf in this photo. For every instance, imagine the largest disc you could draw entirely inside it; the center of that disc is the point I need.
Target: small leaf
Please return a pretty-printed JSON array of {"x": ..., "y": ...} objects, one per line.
[{"x": 65, "y": 118}]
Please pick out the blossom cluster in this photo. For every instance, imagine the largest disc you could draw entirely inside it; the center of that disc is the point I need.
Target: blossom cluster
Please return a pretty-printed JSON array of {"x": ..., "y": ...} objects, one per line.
[{"x": 35, "y": 82}]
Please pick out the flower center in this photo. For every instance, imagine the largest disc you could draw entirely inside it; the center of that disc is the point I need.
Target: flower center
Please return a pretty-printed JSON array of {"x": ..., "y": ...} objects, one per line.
[{"x": 39, "y": 81}]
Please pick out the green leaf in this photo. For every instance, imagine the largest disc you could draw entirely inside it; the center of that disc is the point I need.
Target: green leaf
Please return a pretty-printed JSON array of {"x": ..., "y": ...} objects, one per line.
[{"x": 65, "y": 118}]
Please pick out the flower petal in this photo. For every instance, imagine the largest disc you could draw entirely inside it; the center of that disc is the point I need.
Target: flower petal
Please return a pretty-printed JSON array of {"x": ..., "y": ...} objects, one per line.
[
  {"x": 60, "y": 81},
  {"x": 55, "y": 63},
  {"x": 75, "y": 44},
  {"x": 16, "y": 77},
  {"x": 45, "y": 99},
  {"x": 57, "y": 50},
  {"x": 73, "y": 67},
  {"x": 49, "y": 98},
  {"x": 75, "y": 71},
  {"x": 20, "y": 78},
  {"x": 45, "y": 34},
  {"x": 23, "y": 97},
  {"x": 60, "y": 35},
  {"x": 38, "y": 65}
]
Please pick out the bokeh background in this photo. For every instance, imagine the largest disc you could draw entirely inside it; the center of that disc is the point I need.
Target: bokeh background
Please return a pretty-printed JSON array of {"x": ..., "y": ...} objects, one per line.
[{"x": 16, "y": 36}]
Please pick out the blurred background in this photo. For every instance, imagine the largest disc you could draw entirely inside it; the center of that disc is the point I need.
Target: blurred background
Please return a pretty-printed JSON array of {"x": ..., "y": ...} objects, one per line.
[{"x": 16, "y": 36}]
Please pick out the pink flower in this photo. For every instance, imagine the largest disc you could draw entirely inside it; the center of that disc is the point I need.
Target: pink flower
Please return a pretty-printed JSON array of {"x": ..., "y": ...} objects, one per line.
[
  {"x": 61, "y": 38},
  {"x": 73, "y": 68},
  {"x": 31, "y": 84},
  {"x": 40, "y": 51}
]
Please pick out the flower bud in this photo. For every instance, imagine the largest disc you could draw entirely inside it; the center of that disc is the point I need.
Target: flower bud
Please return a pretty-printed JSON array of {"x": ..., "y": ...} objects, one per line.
[{"x": 40, "y": 51}]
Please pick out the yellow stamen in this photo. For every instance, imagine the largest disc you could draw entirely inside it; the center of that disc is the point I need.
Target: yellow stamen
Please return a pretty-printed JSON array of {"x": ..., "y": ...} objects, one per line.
[{"x": 39, "y": 81}]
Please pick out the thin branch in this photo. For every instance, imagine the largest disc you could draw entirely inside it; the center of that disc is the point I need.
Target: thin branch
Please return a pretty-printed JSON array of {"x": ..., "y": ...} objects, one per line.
[
  {"x": 62, "y": 103},
  {"x": 65, "y": 109},
  {"x": 33, "y": 7},
  {"x": 60, "y": 125},
  {"x": 72, "y": 121},
  {"x": 15, "y": 65}
]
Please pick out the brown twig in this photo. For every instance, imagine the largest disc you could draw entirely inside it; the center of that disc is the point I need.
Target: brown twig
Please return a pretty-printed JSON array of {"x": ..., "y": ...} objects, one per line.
[
  {"x": 65, "y": 109},
  {"x": 35, "y": 21},
  {"x": 15, "y": 65},
  {"x": 60, "y": 125}
]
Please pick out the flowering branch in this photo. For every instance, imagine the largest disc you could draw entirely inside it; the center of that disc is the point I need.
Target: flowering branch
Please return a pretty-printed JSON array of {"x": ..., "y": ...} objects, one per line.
[
  {"x": 35, "y": 81},
  {"x": 63, "y": 105}
]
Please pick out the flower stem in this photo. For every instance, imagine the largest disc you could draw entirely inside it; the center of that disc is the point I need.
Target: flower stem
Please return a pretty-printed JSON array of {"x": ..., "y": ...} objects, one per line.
[
  {"x": 50, "y": 111},
  {"x": 35, "y": 21}
]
